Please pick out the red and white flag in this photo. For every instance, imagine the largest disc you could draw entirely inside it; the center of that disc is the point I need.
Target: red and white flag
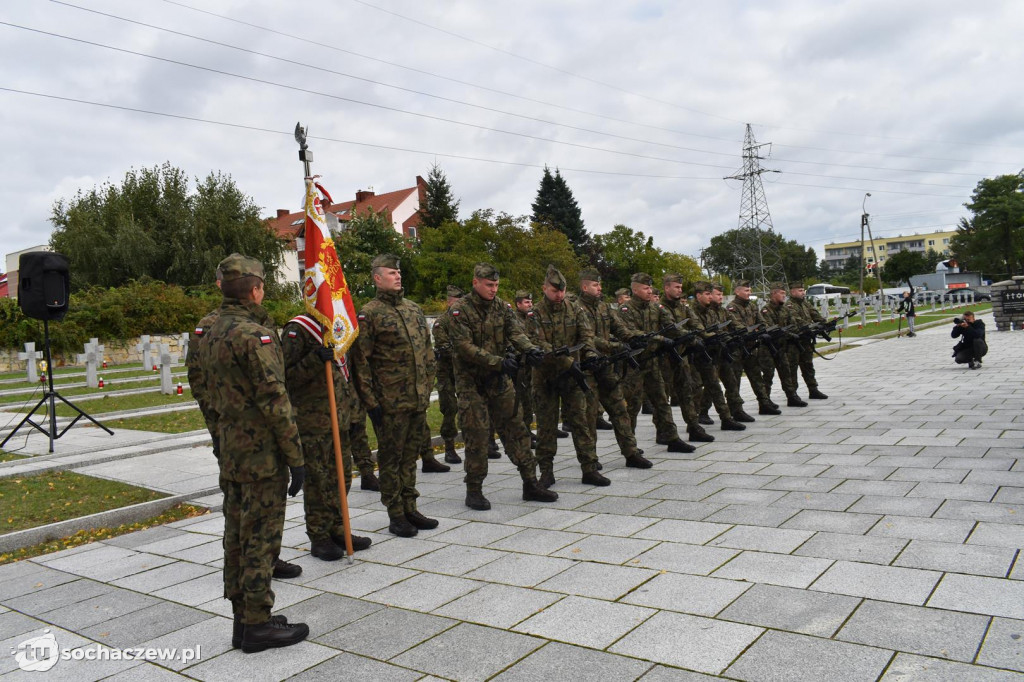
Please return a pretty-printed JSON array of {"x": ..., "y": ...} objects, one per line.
[{"x": 324, "y": 289}]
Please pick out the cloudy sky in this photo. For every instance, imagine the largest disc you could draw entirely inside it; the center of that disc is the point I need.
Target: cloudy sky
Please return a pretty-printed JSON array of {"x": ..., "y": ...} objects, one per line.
[{"x": 642, "y": 105}]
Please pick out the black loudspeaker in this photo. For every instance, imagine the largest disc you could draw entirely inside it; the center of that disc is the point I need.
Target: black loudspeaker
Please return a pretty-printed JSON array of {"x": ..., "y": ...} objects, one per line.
[{"x": 44, "y": 285}]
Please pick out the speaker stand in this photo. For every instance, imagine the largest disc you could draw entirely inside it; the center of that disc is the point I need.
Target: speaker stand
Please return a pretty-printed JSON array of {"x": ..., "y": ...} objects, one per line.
[{"x": 50, "y": 397}]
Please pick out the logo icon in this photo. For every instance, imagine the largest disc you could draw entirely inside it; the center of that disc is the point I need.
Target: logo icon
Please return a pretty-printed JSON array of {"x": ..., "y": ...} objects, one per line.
[{"x": 38, "y": 654}]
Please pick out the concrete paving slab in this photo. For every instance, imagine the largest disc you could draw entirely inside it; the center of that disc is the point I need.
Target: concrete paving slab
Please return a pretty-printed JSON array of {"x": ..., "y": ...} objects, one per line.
[
  {"x": 454, "y": 559},
  {"x": 863, "y": 548},
  {"x": 587, "y": 622},
  {"x": 958, "y": 558},
  {"x": 573, "y": 664},
  {"x": 774, "y": 569},
  {"x": 886, "y": 583},
  {"x": 697, "y": 595},
  {"x": 674, "y": 530},
  {"x": 360, "y": 579},
  {"x": 762, "y": 539},
  {"x": 976, "y": 594},
  {"x": 1004, "y": 645},
  {"x": 916, "y": 629},
  {"x": 281, "y": 664},
  {"x": 536, "y": 541},
  {"x": 916, "y": 528},
  {"x": 424, "y": 592},
  {"x": 405, "y": 629},
  {"x": 781, "y": 656},
  {"x": 683, "y": 558},
  {"x": 500, "y": 606},
  {"x": 357, "y": 668},
  {"x": 911, "y": 668},
  {"x": 601, "y": 581},
  {"x": 605, "y": 549},
  {"x": 784, "y": 608},
  {"x": 444, "y": 655},
  {"x": 522, "y": 570}
]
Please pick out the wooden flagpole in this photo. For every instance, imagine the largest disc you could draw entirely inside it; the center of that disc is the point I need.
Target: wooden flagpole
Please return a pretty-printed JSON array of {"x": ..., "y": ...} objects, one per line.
[{"x": 339, "y": 462}]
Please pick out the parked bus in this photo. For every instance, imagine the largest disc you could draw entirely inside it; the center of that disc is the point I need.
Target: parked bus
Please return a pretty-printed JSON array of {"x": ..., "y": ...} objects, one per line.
[{"x": 817, "y": 292}]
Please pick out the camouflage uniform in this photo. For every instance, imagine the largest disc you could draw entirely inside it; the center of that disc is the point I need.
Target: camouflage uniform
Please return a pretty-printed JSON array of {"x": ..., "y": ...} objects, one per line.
[
  {"x": 196, "y": 378},
  {"x": 608, "y": 393},
  {"x": 552, "y": 325},
  {"x": 706, "y": 316},
  {"x": 724, "y": 366},
  {"x": 481, "y": 331},
  {"x": 801, "y": 353},
  {"x": 778, "y": 315},
  {"x": 358, "y": 440},
  {"x": 394, "y": 369},
  {"x": 681, "y": 373},
  {"x": 642, "y": 317},
  {"x": 744, "y": 313},
  {"x": 524, "y": 381},
  {"x": 244, "y": 369},
  {"x": 307, "y": 390},
  {"x": 446, "y": 396}
]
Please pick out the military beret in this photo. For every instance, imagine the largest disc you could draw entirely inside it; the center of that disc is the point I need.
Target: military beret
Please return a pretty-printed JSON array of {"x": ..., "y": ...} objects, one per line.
[
  {"x": 718, "y": 286},
  {"x": 455, "y": 292},
  {"x": 485, "y": 271},
  {"x": 701, "y": 287},
  {"x": 555, "y": 278},
  {"x": 642, "y": 278},
  {"x": 741, "y": 283},
  {"x": 796, "y": 285},
  {"x": 237, "y": 266},
  {"x": 590, "y": 275},
  {"x": 656, "y": 291},
  {"x": 778, "y": 286},
  {"x": 523, "y": 295},
  {"x": 622, "y": 292},
  {"x": 387, "y": 260},
  {"x": 672, "y": 278}
]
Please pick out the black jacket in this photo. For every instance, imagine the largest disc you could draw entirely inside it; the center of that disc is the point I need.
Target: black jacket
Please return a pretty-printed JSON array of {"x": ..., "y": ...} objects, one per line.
[
  {"x": 975, "y": 330},
  {"x": 907, "y": 306}
]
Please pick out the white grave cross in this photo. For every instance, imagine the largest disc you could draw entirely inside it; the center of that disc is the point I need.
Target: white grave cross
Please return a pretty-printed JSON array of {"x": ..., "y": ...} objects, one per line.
[
  {"x": 166, "y": 358},
  {"x": 30, "y": 356}
]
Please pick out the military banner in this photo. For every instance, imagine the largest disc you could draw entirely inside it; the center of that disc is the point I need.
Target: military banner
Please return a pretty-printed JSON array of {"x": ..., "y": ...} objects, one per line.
[{"x": 324, "y": 289}]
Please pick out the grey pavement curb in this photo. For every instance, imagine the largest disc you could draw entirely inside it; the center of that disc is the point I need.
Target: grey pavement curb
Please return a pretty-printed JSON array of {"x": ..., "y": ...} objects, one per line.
[{"x": 111, "y": 518}]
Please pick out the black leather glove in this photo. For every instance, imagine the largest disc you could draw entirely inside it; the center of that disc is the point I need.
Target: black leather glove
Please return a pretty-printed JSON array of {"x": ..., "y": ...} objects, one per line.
[
  {"x": 534, "y": 357},
  {"x": 637, "y": 342},
  {"x": 325, "y": 354},
  {"x": 376, "y": 416},
  {"x": 298, "y": 478},
  {"x": 592, "y": 364},
  {"x": 667, "y": 343},
  {"x": 510, "y": 367}
]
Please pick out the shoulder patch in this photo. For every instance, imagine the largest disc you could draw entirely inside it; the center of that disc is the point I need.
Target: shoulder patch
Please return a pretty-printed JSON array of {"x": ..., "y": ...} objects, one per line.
[
  {"x": 624, "y": 309},
  {"x": 509, "y": 306},
  {"x": 292, "y": 334},
  {"x": 361, "y": 316},
  {"x": 199, "y": 331},
  {"x": 764, "y": 310},
  {"x": 730, "y": 308},
  {"x": 529, "y": 314},
  {"x": 266, "y": 339},
  {"x": 455, "y": 313}
]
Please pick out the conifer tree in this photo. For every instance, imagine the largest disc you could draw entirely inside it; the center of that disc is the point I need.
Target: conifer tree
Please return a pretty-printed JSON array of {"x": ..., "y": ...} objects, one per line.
[
  {"x": 556, "y": 207},
  {"x": 439, "y": 206}
]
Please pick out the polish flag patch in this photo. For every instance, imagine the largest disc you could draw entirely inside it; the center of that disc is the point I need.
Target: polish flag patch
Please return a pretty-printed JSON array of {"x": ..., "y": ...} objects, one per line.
[
  {"x": 265, "y": 340},
  {"x": 199, "y": 331},
  {"x": 292, "y": 335}
]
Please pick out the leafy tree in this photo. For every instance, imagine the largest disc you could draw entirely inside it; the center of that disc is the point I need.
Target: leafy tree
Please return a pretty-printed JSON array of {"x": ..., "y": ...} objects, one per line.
[
  {"x": 992, "y": 239},
  {"x": 153, "y": 225},
  {"x": 439, "y": 205},
  {"x": 798, "y": 262},
  {"x": 623, "y": 252},
  {"x": 364, "y": 237},
  {"x": 556, "y": 208},
  {"x": 901, "y": 266}
]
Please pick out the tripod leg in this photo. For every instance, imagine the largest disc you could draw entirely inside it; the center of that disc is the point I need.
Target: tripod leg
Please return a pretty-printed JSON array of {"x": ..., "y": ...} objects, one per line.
[
  {"x": 81, "y": 413},
  {"x": 28, "y": 420}
]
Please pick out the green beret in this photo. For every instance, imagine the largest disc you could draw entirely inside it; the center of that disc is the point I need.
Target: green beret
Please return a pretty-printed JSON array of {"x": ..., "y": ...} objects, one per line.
[
  {"x": 621, "y": 292},
  {"x": 555, "y": 278},
  {"x": 656, "y": 291},
  {"x": 455, "y": 292},
  {"x": 485, "y": 271},
  {"x": 671, "y": 278},
  {"x": 701, "y": 287},
  {"x": 387, "y": 260},
  {"x": 741, "y": 283},
  {"x": 796, "y": 285},
  {"x": 237, "y": 266},
  {"x": 642, "y": 278},
  {"x": 590, "y": 275},
  {"x": 718, "y": 286},
  {"x": 778, "y": 286},
  {"x": 523, "y": 295}
]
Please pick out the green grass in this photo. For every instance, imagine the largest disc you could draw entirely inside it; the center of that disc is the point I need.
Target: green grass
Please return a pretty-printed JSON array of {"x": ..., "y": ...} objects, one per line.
[
  {"x": 176, "y": 513},
  {"x": 31, "y": 501},
  {"x": 10, "y": 456},
  {"x": 112, "y": 385},
  {"x": 167, "y": 422},
  {"x": 124, "y": 402},
  {"x": 887, "y": 325}
]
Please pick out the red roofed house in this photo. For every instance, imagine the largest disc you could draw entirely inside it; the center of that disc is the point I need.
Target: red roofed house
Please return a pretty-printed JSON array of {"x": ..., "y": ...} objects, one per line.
[
  {"x": 402, "y": 206},
  {"x": 3, "y": 285}
]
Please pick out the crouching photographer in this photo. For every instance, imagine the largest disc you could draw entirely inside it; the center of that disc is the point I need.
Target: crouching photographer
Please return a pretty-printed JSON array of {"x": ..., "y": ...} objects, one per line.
[{"x": 972, "y": 347}]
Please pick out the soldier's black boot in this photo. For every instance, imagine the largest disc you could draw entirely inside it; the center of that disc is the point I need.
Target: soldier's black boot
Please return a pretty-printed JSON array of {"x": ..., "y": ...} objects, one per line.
[
  {"x": 359, "y": 542},
  {"x": 420, "y": 521},
  {"x": 595, "y": 478},
  {"x": 271, "y": 635},
  {"x": 732, "y": 425},
  {"x": 327, "y": 550},
  {"x": 599, "y": 466},
  {"x": 815, "y": 394},
  {"x": 533, "y": 491},
  {"x": 680, "y": 445},
  {"x": 741, "y": 416},
  {"x": 401, "y": 527},
  {"x": 561, "y": 434},
  {"x": 638, "y": 462},
  {"x": 284, "y": 570},
  {"x": 646, "y": 408},
  {"x": 368, "y": 481},
  {"x": 547, "y": 476},
  {"x": 697, "y": 434},
  {"x": 450, "y": 456},
  {"x": 794, "y": 401},
  {"x": 705, "y": 419},
  {"x": 432, "y": 466},
  {"x": 492, "y": 450},
  {"x": 768, "y": 408},
  {"x": 475, "y": 500},
  {"x": 239, "y": 629},
  {"x": 603, "y": 424}
]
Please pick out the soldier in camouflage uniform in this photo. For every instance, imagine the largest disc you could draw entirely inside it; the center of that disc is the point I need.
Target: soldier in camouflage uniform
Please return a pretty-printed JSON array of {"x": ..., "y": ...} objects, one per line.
[
  {"x": 524, "y": 380},
  {"x": 706, "y": 316},
  {"x": 556, "y": 323},
  {"x": 680, "y": 373},
  {"x": 610, "y": 335},
  {"x": 197, "y": 382},
  {"x": 359, "y": 444},
  {"x": 725, "y": 362},
  {"x": 446, "y": 398},
  {"x": 484, "y": 326},
  {"x": 243, "y": 375},
  {"x": 801, "y": 352},
  {"x": 775, "y": 313},
  {"x": 744, "y": 312},
  {"x": 394, "y": 372},
  {"x": 304, "y": 359},
  {"x": 641, "y": 316}
]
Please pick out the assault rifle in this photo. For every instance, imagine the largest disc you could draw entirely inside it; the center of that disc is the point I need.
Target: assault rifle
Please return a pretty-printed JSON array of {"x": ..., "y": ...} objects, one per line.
[
  {"x": 627, "y": 355},
  {"x": 823, "y": 329},
  {"x": 774, "y": 336},
  {"x": 642, "y": 340}
]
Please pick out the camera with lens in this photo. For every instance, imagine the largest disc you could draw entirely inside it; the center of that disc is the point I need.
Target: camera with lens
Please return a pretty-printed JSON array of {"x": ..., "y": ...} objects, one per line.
[{"x": 957, "y": 320}]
